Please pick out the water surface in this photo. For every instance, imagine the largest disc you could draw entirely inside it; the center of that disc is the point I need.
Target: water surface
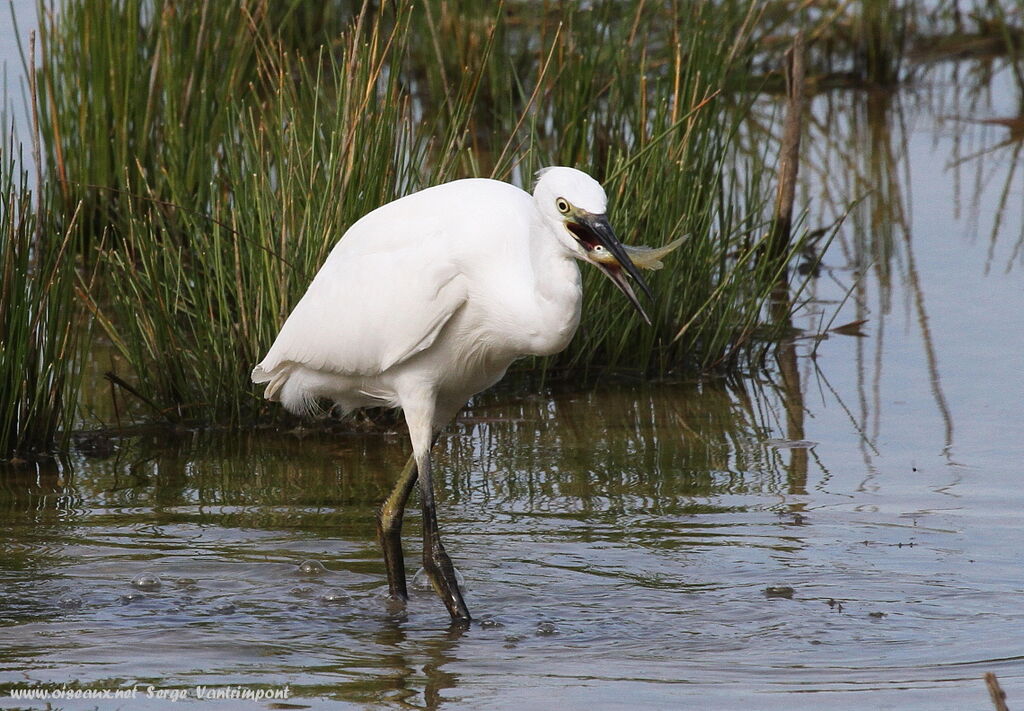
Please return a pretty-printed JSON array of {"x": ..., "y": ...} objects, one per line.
[{"x": 629, "y": 545}]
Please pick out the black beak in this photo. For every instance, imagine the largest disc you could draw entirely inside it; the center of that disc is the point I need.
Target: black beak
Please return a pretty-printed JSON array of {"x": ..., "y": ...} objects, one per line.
[{"x": 605, "y": 251}]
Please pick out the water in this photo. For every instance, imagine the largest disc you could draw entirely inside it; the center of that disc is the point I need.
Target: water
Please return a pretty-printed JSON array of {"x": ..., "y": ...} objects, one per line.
[
  {"x": 632, "y": 545},
  {"x": 837, "y": 531}
]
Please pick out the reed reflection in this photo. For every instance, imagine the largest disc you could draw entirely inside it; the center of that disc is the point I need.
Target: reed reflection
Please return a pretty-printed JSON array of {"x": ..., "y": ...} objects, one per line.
[{"x": 620, "y": 447}]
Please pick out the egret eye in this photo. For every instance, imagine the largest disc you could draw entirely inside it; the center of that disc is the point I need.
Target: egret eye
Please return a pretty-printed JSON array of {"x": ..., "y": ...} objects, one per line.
[{"x": 563, "y": 205}]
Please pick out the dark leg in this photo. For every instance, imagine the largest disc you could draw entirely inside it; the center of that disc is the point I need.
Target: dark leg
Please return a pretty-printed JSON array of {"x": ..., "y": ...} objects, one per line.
[
  {"x": 436, "y": 562},
  {"x": 389, "y": 530}
]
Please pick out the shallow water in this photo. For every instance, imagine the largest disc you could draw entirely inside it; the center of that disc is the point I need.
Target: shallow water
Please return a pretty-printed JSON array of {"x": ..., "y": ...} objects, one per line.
[
  {"x": 841, "y": 530},
  {"x": 629, "y": 545}
]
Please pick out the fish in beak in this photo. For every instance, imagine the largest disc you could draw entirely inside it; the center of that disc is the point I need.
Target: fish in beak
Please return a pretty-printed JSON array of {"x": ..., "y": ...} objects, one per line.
[{"x": 604, "y": 251}]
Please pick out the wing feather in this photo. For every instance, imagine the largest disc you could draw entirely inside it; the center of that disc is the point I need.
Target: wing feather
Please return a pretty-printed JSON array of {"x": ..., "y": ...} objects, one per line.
[{"x": 370, "y": 307}]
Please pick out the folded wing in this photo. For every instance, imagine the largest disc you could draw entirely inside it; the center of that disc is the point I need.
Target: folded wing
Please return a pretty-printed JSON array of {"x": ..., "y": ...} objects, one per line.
[{"x": 366, "y": 311}]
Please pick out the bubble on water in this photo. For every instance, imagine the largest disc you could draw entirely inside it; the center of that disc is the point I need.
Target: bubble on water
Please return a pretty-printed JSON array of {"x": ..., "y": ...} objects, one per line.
[
  {"x": 421, "y": 582},
  {"x": 147, "y": 581},
  {"x": 224, "y": 607},
  {"x": 129, "y": 598},
  {"x": 512, "y": 640},
  {"x": 302, "y": 591},
  {"x": 312, "y": 568},
  {"x": 186, "y": 583},
  {"x": 490, "y": 623},
  {"x": 334, "y": 598},
  {"x": 546, "y": 629},
  {"x": 779, "y": 591},
  {"x": 69, "y": 603}
]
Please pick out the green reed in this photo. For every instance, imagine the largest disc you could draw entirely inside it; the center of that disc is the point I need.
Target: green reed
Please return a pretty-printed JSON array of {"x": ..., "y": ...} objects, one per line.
[
  {"x": 41, "y": 332},
  {"x": 321, "y": 141},
  {"x": 218, "y": 154},
  {"x": 133, "y": 90}
]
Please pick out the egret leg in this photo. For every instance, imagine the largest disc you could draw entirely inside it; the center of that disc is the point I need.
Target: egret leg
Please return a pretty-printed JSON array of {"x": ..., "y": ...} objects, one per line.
[
  {"x": 389, "y": 530},
  {"x": 436, "y": 562}
]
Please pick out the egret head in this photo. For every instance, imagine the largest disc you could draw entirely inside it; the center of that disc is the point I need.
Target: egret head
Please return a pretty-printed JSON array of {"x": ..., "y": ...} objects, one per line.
[{"x": 575, "y": 204}]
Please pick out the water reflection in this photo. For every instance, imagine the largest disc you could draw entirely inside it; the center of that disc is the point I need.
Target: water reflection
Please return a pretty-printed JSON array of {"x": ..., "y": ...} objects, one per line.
[
  {"x": 861, "y": 142},
  {"x": 594, "y": 448},
  {"x": 621, "y": 447},
  {"x": 904, "y": 153},
  {"x": 227, "y": 522},
  {"x": 627, "y": 533},
  {"x": 419, "y": 679}
]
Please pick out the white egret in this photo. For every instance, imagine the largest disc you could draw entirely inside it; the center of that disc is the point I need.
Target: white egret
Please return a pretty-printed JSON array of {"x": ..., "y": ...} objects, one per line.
[{"x": 426, "y": 301}]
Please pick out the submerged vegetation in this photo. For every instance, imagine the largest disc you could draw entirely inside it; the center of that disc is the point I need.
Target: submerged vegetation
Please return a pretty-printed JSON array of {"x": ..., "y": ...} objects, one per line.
[{"x": 203, "y": 158}]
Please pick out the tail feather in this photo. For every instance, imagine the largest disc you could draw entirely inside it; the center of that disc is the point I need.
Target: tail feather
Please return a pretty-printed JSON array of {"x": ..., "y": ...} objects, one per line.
[
  {"x": 283, "y": 388},
  {"x": 275, "y": 379}
]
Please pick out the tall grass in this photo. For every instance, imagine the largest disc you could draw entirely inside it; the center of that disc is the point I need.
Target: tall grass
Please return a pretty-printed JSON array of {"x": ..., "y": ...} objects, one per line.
[
  {"x": 134, "y": 90},
  {"x": 324, "y": 140},
  {"x": 635, "y": 98},
  {"x": 40, "y": 336},
  {"x": 219, "y": 158}
]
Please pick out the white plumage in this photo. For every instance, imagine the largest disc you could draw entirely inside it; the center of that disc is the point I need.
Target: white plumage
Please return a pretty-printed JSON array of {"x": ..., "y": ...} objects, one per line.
[{"x": 427, "y": 300}]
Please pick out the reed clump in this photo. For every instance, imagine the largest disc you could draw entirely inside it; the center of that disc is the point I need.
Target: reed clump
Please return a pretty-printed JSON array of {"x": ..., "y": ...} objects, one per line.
[
  {"x": 218, "y": 155},
  {"x": 41, "y": 333},
  {"x": 134, "y": 92}
]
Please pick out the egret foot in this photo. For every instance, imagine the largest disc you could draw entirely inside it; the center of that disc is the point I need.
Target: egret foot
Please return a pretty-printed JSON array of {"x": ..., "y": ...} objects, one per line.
[
  {"x": 441, "y": 574},
  {"x": 436, "y": 563},
  {"x": 389, "y": 531},
  {"x": 394, "y": 561}
]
